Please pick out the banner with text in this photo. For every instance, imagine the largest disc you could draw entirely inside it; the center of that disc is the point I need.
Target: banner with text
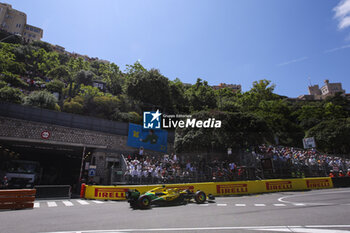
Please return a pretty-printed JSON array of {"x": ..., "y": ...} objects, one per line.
[
  {"x": 147, "y": 138},
  {"x": 216, "y": 188}
]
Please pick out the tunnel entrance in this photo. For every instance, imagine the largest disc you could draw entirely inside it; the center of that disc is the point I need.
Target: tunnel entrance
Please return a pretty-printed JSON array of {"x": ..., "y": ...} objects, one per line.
[{"x": 49, "y": 164}]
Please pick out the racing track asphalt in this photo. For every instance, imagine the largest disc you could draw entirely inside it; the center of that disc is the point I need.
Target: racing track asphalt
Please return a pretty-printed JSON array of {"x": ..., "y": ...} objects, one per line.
[{"x": 321, "y": 211}]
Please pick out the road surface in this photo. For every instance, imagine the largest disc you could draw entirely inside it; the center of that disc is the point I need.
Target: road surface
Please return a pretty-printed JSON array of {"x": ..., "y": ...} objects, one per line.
[{"x": 322, "y": 211}]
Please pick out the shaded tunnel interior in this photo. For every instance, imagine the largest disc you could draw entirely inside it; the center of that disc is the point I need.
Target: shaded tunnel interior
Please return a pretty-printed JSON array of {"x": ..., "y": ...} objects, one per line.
[{"x": 53, "y": 164}]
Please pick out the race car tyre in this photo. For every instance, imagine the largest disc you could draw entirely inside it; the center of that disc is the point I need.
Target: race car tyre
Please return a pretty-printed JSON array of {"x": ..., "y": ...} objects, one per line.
[
  {"x": 133, "y": 204},
  {"x": 144, "y": 202},
  {"x": 200, "y": 197}
]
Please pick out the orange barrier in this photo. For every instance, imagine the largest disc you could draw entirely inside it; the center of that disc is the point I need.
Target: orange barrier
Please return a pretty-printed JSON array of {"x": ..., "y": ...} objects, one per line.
[
  {"x": 17, "y": 198},
  {"x": 82, "y": 190},
  {"x": 216, "y": 188}
]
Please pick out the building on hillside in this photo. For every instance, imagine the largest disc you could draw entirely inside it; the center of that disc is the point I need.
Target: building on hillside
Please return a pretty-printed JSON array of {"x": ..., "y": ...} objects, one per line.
[
  {"x": 15, "y": 22},
  {"x": 317, "y": 93},
  {"x": 187, "y": 84},
  {"x": 347, "y": 96},
  {"x": 233, "y": 87},
  {"x": 59, "y": 49},
  {"x": 99, "y": 84}
]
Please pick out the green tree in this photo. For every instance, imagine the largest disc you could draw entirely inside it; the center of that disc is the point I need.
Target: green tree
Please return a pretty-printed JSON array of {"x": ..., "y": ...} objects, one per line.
[
  {"x": 3, "y": 84},
  {"x": 201, "y": 96},
  {"x": 179, "y": 101},
  {"x": 277, "y": 114},
  {"x": 136, "y": 68},
  {"x": 104, "y": 106},
  {"x": 89, "y": 92},
  {"x": 238, "y": 130},
  {"x": 332, "y": 111},
  {"x": 132, "y": 117},
  {"x": 42, "y": 62},
  {"x": 72, "y": 106},
  {"x": 151, "y": 87},
  {"x": 8, "y": 59},
  {"x": 77, "y": 64},
  {"x": 332, "y": 136},
  {"x": 12, "y": 79},
  {"x": 42, "y": 44},
  {"x": 227, "y": 100},
  {"x": 309, "y": 115},
  {"x": 60, "y": 72},
  {"x": 84, "y": 77},
  {"x": 41, "y": 99},
  {"x": 261, "y": 90},
  {"x": 55, "y": 86},
  {"x": 12, "y": 95}
]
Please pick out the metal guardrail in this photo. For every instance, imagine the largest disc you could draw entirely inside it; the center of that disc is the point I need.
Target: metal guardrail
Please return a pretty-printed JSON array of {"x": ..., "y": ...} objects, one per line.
[{"x": 53, "y": 191}]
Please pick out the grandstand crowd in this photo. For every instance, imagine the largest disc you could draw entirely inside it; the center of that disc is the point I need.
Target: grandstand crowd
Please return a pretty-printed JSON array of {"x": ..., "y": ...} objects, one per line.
[{"x": 282, "y": 162}]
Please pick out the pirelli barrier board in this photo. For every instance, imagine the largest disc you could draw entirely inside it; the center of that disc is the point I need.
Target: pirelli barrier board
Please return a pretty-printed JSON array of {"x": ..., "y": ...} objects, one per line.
[{"x": 216, "y": 188}]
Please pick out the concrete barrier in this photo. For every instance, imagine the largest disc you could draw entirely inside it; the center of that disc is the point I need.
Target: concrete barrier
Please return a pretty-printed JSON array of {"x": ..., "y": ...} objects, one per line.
[
  {"x": 339, "y": 182},
  {"x": 215, "y": 188}
]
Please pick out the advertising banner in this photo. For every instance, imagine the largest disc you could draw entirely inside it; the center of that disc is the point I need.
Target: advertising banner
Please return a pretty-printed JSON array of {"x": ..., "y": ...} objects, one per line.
[
  {"x": 309, "y": 143},
  {"x": 147, "y": 138},
  {"x": 216, "y": 188}
]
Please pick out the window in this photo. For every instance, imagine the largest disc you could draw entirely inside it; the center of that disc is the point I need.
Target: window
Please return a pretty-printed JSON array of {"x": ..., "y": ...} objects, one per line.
[
  {"x": 24, "y": 33},
  {"x": 31, "y": 29},
  {"x": 34, "y": 36}
]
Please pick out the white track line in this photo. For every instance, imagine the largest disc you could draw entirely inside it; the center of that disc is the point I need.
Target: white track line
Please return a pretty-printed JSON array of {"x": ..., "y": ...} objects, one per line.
[
  {"x": 82, "y": 202},
  {"x": 68, "y": 203},
  {"x": 51, "y": 204},
  {"x": 204, "y": 205},
  {"x": 281, "y": 199},
  {"x": 259, "y": 205},
  {"x": 98, "y": 202},
  {"x": 36, "y": 205},
  {"x": 260, "y": 228},
  {"x": 301, "y": 230},
  {"x": 221, "y": 204},
  {"x": 240, "y": 204},
  {"x": 279, "y": 204},
  {"x": 299, "y": 204}
]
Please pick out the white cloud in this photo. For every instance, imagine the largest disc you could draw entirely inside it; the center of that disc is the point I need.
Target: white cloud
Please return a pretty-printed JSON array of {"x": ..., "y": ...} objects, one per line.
[
  {"x": 293, "y": 61},
  {"x": 342, "y": 13},
  {"x": 336, "y": 49}
]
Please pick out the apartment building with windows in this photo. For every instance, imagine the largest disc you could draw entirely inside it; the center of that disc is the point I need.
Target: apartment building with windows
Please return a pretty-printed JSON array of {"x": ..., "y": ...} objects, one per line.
[
  {"x": 15, "y": 22},
  {"x": 233, "y": 87},
  {"x": 328, "y": 89}
]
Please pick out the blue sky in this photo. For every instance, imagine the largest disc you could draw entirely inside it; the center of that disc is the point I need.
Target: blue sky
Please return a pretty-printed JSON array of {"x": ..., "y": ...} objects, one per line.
[{"x": 231, "y": 41}]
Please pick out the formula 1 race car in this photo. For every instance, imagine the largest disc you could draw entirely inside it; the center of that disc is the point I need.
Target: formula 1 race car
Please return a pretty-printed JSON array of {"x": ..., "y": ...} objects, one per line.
[{"x": 163, "y": 196}]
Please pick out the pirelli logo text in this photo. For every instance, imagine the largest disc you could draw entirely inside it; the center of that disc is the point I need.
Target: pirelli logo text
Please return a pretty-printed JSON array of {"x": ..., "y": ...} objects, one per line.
[
  {"x": 232, "y": 189},
  {"x": 278, "y": 185},
  {"x": 317, "y": 184},
  {"x": 110, "y": 192}
]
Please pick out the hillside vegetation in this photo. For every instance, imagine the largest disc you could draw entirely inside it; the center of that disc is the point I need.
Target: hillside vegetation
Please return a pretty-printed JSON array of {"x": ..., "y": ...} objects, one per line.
[{"x": 36, "y": 75}]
